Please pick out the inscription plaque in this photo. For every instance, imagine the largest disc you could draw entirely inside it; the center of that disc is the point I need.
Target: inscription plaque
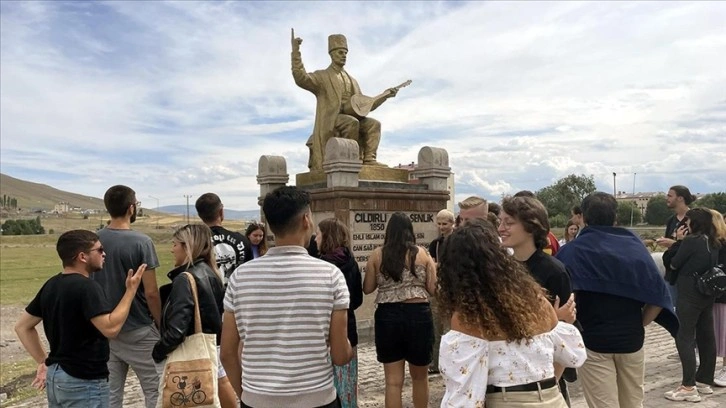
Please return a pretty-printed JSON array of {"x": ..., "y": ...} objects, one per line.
[{"x": 368, "y": 230}]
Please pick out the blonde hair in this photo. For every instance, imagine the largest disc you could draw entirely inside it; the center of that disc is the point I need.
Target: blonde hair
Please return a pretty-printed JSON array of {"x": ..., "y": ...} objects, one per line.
[
  {"x": 472, "y": 202},
  {"x": 719, "y": 225},
  {"x": 197, "y": 241},
  {"x": 445, "y": 215}
]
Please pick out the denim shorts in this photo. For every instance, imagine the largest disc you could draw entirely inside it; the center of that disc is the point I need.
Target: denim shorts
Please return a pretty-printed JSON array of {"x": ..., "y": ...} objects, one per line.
[
  {"x": 404, "y": 331},
  {"x": 64, "y": 390}
]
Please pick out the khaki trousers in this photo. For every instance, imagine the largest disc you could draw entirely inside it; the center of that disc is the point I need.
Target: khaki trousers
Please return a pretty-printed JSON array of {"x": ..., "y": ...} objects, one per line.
[
  {"x": 548, "y": 398},
  {"x": 611, "y": 380}
]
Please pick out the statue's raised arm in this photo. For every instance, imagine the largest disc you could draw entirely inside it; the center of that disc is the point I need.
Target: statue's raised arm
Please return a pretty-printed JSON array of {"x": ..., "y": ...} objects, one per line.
[
  {"x": 335, "y": 89},
  {"x": 295, "y": 41},
  {"x": 301, "y": 77}
]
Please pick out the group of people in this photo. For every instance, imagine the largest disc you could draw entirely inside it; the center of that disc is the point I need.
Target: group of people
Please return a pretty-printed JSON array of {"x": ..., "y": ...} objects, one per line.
[{"x": 522, "y": 310}]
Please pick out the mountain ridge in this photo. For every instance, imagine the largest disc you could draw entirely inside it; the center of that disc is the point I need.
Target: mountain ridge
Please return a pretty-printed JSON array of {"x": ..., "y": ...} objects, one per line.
[{"x": 33, "y": 196}]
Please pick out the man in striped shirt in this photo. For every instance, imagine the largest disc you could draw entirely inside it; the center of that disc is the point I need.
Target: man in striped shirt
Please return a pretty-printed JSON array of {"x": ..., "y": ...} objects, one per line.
[{"x": 287, "y": 312}]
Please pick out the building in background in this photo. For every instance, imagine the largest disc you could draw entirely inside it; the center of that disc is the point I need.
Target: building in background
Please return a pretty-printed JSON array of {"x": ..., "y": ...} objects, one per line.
[{"x": 62, "y": 208}]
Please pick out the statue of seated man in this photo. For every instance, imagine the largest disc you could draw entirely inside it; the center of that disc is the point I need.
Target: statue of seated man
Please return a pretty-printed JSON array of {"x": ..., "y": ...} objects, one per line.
[{"x": 333, "y": 88}]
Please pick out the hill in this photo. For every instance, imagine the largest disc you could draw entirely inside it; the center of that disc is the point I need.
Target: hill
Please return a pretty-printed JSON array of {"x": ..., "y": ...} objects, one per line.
[
  {"x": 246, "y": 215},
  {"x": 36, "y": 196}
]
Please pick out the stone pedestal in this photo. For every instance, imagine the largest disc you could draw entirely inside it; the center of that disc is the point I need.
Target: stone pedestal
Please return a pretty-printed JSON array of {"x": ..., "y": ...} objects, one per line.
[
  {"x": 364, "y": 197},
  {"x": 366, "y": 206},
  {"x": 342, "y": 163},
  {"x": 271, "y": 175}
]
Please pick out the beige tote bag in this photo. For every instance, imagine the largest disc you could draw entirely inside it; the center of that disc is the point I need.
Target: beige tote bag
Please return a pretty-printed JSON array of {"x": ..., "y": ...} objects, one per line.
[{"x": 190, "y": 371}]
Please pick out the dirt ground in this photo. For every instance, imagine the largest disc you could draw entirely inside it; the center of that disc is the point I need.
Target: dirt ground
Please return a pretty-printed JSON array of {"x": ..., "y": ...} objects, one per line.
[{"x": 11, "y": 350}]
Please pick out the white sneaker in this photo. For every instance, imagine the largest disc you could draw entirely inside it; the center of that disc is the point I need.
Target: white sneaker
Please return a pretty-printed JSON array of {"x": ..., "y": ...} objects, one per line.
[
  {"x": 704, "y": 388},
  {"x": 683, "y": 394},
  {"x": 720, "y": 378}
]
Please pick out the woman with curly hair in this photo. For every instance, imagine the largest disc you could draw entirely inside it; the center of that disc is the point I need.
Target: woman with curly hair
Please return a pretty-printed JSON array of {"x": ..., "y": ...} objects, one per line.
[
  {"x": 258, "y": 238},
  {"x": 405, "y": 276},
  {"x": 333, "y": 243},
  {"x": 505, "y": 337}
]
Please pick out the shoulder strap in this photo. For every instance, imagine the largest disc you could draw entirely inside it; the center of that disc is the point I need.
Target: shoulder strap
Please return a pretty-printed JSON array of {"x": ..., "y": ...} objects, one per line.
[{"x": 197, "y": 314}]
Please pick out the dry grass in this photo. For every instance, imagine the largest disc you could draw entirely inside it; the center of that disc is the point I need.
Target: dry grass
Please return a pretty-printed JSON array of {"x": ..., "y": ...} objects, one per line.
[
  {"x": 15, "y": 379},
  {"x": 27, "y": 261}
]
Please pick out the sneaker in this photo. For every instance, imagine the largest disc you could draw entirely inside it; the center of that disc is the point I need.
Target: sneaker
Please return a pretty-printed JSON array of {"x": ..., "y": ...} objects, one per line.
[
  {"x": 704, "y": 388},
  {"x": 683, "y": 394},
  {"x": 720, "y": 378}
]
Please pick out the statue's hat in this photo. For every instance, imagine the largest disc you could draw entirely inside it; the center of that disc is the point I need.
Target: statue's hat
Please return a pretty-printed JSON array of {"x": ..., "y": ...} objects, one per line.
[{"x": 336, "y": 41}]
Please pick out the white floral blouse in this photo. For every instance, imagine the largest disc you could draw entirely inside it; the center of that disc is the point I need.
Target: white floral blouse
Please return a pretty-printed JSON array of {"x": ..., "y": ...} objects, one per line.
[{"x": 468, "y": 364}]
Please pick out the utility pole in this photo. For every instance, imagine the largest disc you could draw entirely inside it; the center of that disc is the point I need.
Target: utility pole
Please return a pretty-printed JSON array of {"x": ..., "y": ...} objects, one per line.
[
  {"x": 634, "y": 202},
  {"x": 187, "y": 196},
  {"x": 157, "y": 210},
  {"x": 615, "y": 191}
]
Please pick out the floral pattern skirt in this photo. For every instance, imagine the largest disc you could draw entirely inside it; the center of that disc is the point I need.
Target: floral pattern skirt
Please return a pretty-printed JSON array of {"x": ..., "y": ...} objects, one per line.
[{"x": 346, "y": 382}]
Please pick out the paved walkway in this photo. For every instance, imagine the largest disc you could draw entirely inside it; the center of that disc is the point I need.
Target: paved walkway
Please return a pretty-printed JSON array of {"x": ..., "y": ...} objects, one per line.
[{"x": 661, "y": 374}]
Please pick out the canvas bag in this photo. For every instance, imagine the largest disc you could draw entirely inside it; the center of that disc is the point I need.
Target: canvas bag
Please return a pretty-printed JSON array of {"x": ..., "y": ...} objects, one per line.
[{"x": 190, "y": 371}]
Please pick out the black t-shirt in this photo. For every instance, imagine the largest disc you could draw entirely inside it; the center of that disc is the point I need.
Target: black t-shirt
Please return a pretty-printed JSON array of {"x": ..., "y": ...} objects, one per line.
[
  {"x": 672, "y": 226},
  {"x": 231, "y": 248},
  {"x": 551, "y": 274},
  {"x": 610, "y": 324},
  {"x": 67, "y": 303},
  {"x": 435, "y": 247}
]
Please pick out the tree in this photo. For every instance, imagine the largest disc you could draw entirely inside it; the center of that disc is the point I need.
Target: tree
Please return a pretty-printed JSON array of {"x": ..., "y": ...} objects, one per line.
[
  {"x": 657, "y": 211},
  {"x": 22, "y": 227},
  {"x": 714, "y": 201},
  {"x": 627, "y": 211},
  {"x": 565, "y": 193}
]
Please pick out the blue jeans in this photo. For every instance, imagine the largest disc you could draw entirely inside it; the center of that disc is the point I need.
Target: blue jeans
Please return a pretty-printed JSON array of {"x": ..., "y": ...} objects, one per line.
[{"x": 65, "y": 391}]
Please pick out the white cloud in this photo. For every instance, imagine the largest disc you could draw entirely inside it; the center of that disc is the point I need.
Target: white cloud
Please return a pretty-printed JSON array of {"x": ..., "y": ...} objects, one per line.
[{"x": 183, "y": 97}]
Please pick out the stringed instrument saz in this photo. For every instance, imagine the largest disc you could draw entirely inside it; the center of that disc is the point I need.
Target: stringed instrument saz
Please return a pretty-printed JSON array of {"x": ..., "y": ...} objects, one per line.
[{"x": 360, "y": 105}]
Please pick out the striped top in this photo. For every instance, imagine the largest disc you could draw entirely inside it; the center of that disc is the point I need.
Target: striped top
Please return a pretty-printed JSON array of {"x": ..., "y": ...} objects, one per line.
[{"x": 282, "y": 303}]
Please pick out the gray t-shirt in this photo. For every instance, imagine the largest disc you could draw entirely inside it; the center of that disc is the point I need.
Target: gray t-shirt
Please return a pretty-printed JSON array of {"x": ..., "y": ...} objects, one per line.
[{"x": 126, "y": 249}]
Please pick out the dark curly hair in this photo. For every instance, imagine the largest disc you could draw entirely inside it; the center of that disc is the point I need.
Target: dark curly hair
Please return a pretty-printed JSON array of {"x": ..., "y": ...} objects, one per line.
[
  {"x": 399, "y": 242},
  {"x": 486, "y": 287}
]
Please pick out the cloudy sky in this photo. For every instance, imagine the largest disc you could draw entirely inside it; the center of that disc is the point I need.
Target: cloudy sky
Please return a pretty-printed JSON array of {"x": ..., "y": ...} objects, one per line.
[{"x": 175, "y": 98}]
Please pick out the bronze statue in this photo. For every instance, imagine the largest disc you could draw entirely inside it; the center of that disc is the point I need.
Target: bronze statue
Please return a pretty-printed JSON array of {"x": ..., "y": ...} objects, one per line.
[{"x": 341, "y": 107}]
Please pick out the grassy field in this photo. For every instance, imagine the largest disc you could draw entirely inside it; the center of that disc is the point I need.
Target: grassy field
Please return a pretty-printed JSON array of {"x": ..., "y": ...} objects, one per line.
[{"x": 27, "y": 261}]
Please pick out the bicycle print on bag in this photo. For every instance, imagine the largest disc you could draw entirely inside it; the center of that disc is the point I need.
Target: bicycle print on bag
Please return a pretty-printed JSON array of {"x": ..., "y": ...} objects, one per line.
[
  {"x": 179, "y": 398},
  {"x": 188, "y": 385}
]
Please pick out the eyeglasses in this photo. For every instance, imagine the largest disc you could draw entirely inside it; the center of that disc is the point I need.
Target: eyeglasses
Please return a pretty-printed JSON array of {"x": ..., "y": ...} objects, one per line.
[
  {"x": 507, "y": 225},
  {"x": 99, "y": 249}
]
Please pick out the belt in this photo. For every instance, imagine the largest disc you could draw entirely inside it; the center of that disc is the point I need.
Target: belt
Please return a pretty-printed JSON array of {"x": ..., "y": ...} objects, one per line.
[{"x": 533, "y": 386}]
